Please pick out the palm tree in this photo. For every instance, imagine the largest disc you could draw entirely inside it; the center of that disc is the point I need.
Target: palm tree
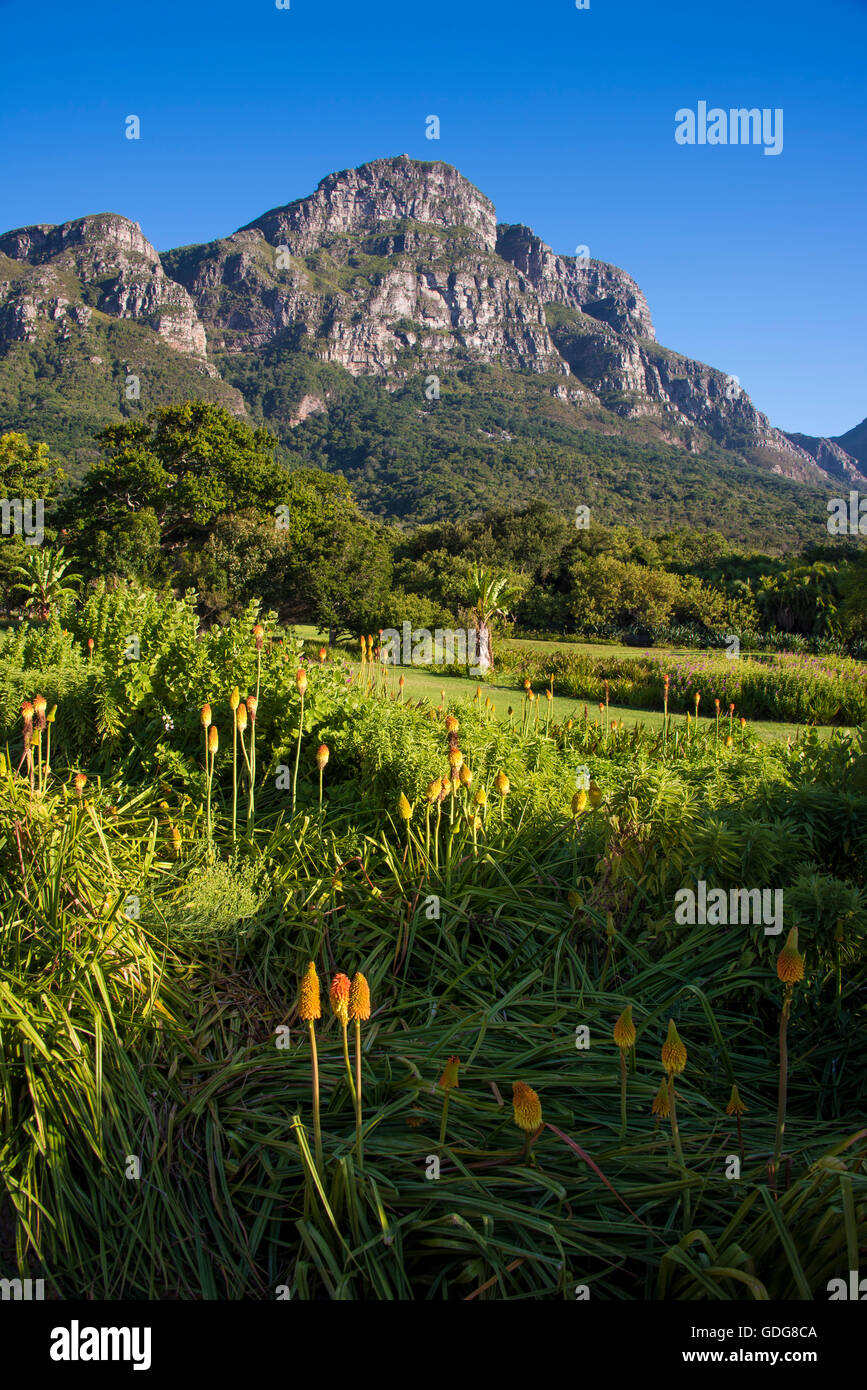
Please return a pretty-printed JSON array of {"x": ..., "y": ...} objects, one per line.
[
  {"x": 46, "y": 582},
  {"x": 492, "y": 595}
]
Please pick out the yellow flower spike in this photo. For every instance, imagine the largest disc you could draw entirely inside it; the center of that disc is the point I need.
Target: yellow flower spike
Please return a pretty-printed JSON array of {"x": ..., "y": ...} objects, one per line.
[
  {"x": 322, "y": 755},
  {"x": 481, "y": 797},
  {"x": 579, "y": 802},
  {"x": 449, "y": 1079},
  {"x": 301, "y": 680},
  {"x": 466, "y": 775},
  {"x": 213, "y": 739},
  {"x": 502, "y": 784},
  {"x": 624, "y": 1036},
  {"x": 735, "y": 1105},
  {"x": 404, "y": 809},
  {"x": 206, "y": 715},
  {"x": 673, "y": 1051},
  {"x": 234, "y": 699},
  {"x": 359, "y": 997},
  {"x": 790, "y": 964},
  {"x": 79, "y": 781},
  {"x": 661, "y": 1104},
  {"x": 595, "y": 795},
  {"x": 309, "y": 1006},
  {"x": 241, "y": 718},
  {"x": 339, "y": 996},
  {"x": 456, "y": 759},
  {"x": 433, "y": 790},
  {"x": 624, "y": 1030},
  {"x": 527, "y": 1108},
  {"x": 452, "y": 724}
]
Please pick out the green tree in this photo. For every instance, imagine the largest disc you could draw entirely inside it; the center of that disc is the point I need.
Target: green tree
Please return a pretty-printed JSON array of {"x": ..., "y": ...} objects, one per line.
[
  {"x": 46, "y": 582},
  {"x": 186, "y": 465},
  {"x": 29, "y": 475}
]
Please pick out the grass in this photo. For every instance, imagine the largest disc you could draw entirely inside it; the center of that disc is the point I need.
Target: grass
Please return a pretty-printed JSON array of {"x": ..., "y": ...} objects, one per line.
[
  {"x": 149, "y": 1008},
  {"x": 506, "y": 691}
]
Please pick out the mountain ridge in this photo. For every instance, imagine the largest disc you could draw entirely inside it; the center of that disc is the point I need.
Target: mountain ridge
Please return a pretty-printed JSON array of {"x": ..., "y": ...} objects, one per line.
[{"x": 396, "y": 270}]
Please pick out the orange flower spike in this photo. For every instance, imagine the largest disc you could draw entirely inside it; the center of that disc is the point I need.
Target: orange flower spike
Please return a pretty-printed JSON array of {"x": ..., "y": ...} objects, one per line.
[{"x": 339, "y": 995}]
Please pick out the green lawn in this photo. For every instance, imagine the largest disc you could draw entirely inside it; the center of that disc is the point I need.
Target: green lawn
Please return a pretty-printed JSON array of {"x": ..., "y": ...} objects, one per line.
[{"x": 420, "y": 684}]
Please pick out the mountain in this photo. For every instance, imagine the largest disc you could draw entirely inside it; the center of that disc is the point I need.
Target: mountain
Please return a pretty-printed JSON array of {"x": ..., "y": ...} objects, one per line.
[
  {"x": 844, "y": 456},
  {"x": 387, "y": 320}
]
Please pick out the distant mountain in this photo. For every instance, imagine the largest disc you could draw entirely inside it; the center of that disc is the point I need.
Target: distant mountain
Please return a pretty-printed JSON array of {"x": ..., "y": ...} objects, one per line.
[
  {"x": 854, "y": 442},
  {"x": 387, "y": 318}
]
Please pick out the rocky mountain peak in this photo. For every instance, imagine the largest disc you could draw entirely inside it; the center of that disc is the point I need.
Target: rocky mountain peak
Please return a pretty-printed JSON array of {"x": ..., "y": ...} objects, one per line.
[
  {"x": 41, "y": 243},
  {"x": 385, "y": 190},
  {"x": 120, "y": 271}
]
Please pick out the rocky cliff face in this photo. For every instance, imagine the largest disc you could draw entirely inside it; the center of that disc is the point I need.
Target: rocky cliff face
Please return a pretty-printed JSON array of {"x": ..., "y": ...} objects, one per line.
[
  {"x": 833, "y": 459},
  {"x": 601, "y": 291},
  {"x": 101, "y": 263},
  {"x": 390, "y": 270}
]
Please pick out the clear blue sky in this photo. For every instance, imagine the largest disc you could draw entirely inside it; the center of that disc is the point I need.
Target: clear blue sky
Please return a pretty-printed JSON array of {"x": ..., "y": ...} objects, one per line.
[{"x": 564, "y": 117}]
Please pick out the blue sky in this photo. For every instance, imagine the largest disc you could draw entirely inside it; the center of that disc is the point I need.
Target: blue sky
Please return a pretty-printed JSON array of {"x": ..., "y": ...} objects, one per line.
[{"x": 564, "y": 117}]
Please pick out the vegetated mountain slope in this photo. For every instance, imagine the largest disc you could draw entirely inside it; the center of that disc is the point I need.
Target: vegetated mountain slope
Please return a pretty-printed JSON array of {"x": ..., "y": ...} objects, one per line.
[{"x": 386, "y": 325}]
